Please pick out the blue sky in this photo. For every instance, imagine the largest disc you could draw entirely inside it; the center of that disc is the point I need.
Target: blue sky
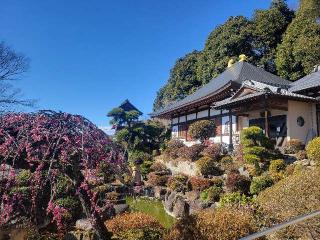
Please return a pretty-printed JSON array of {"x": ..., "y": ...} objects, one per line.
[{"x": 89, "y": 56}]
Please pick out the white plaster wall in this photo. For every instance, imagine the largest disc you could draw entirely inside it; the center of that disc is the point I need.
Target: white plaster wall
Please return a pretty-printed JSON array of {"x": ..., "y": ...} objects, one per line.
[
  {"x": 182, "y": 119},
  {"x": 305, "y": 110},
  {"x": 214, "y": 112},
  {"x": 192, "y": 116},
  {"x": 175, "y": 120},
  {"x": 203, "y": 114}
]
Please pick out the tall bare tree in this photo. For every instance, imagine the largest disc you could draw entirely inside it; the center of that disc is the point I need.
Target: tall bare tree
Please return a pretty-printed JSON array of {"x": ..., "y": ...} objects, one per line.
[{"x": 12, "y": 67}]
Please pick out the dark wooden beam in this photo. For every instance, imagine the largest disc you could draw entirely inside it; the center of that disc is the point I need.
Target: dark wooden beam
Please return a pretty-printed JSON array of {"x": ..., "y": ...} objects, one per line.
[{"x": 230, "y": 147}]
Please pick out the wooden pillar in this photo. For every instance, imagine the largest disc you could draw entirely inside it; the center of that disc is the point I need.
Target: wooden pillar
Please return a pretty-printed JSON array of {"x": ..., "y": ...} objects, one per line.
[
  {"x": 221, "y": 133},
  {"x": 179, "y": 127},
  {"x": 266, "y": 117},
  {"x": 186, "y": 128},
  {"x": 266, "y": 123},
  {"x": 230, "y": 147}
]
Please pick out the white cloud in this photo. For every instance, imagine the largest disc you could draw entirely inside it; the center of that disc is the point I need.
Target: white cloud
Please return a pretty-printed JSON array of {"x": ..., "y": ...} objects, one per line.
[{"x": 107, "y": 129}]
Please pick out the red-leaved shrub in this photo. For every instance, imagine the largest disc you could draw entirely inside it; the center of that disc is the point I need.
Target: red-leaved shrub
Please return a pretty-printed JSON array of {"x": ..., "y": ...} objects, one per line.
[
  {"x": 236, "y": 182},
  {"x": 212, "y": 151},
  {"x": 199, "y": 183}
]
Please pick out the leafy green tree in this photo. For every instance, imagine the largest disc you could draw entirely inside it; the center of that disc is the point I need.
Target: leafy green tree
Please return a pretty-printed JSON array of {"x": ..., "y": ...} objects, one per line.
[
  {"x": 228, "y": 40},
  {"x": 182, "y": 81},
  {"x": 267, "y": 29},
  {"x": 300, "y": 49},
  {"x": 256, "y": 38},
  {"x": 122, "y": 118}
]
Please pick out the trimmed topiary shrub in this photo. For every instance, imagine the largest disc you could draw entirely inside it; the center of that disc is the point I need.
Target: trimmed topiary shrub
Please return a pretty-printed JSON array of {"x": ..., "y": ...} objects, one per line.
[
  {"x": 217, "y": 181},
  {"x": 191, "y": 153},
  {"x": 260, "y": 183},
  {"x": 277, "y": 169},
  {"x": 157, "y": 180},
  {"x": 202, "y": 130},
  {"x": 135, "y": 226},
  {"x": 234, "y": 198},
  {"x": 293, "y": 146},
  {"x": 211, "y": 194},
  {"x": 293, "y": 196},
  {"x": 208, "y": 166},
  {"x": 313, "y": 150},
  {"x": 199, "y": 183},
  {"x": 173, "y": 147},
  {"x": 178, "y": 183},
  {"x": 222, "y": 223},
  {"x": 213, "y": 151},
  {"x": 226, "y": 163},
  {"x": 277, "y": 165},
  {"x": 252, "y": 136},
  {"x": 237, "y": 182},
  {"x": 259, "y": 151}
]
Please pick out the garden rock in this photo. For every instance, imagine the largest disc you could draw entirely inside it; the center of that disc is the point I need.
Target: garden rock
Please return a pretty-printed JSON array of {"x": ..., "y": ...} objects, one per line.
[
  {"x": 192, "y": 196},
  {"x": 180, "y": 208},
  {"x": 244, "y": 172},
  {"x": 121, "y": 208},
  {"x": 169, "y": 200},
  {"x": 159, "y": 192},
  {"x": 84, "y": 224}
]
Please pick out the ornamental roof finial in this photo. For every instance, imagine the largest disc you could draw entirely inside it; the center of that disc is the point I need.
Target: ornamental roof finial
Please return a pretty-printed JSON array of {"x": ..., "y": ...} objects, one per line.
[
  {"x": 242, "y": 58},
  {"x": 230, "y": 63}
]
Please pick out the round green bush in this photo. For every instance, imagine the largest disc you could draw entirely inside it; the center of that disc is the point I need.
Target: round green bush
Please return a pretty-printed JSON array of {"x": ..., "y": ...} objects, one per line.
[
  {"x": 277, "y": 166},
  {"x": 207, "y": 166},
  {"x": 211, "y": 194},
  {"x": 202, "y": 130},
  {"x": 256, "y": 150},
  {"x": 226, "y": 163},
  {"x": 313, "y": 150},
  {"x": 251, "y": 136},
  {"x": 234, "y": 198},
  {"x": 178, "y": 183},
  {"x": 251, "y": 158},
  {"x": 260, "y": 183}
]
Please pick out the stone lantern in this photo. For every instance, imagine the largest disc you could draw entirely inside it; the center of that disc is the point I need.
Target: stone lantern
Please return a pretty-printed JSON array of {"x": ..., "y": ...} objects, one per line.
[{"x": 136, "y": 172}]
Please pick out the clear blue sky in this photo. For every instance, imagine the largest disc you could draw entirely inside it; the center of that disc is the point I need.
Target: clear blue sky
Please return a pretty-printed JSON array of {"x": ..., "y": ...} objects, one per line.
[{"x": 88, "y": 56}]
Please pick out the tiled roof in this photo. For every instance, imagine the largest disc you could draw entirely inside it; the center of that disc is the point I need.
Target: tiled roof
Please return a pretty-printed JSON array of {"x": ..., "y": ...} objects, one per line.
[
  {"x": 310, "y": 81},
  {"x": 261, "y": 89},
  {"x": 237, "y": 73}
]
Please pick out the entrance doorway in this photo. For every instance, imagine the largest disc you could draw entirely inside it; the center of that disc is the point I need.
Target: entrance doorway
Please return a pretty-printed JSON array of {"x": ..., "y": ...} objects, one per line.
[{"x": 277, "y": 127}]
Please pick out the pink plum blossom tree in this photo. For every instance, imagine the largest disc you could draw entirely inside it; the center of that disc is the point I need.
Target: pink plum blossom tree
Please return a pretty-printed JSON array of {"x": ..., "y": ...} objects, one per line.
[{"x": 51, "y": 165}]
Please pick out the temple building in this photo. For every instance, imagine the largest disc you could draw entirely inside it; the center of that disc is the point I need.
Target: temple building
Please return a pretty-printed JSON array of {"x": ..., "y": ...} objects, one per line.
[{"x": 245, "y": 95}]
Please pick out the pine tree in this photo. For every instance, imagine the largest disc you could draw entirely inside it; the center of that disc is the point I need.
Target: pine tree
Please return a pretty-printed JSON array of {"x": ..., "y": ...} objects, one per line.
[{"x": 300, "y": 49}]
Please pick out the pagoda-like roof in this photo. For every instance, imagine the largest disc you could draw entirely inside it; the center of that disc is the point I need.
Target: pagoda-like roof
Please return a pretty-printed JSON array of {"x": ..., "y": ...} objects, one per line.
[
  {"x": 235, "y": 74},
  {"x": 128, "y": 106}
]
